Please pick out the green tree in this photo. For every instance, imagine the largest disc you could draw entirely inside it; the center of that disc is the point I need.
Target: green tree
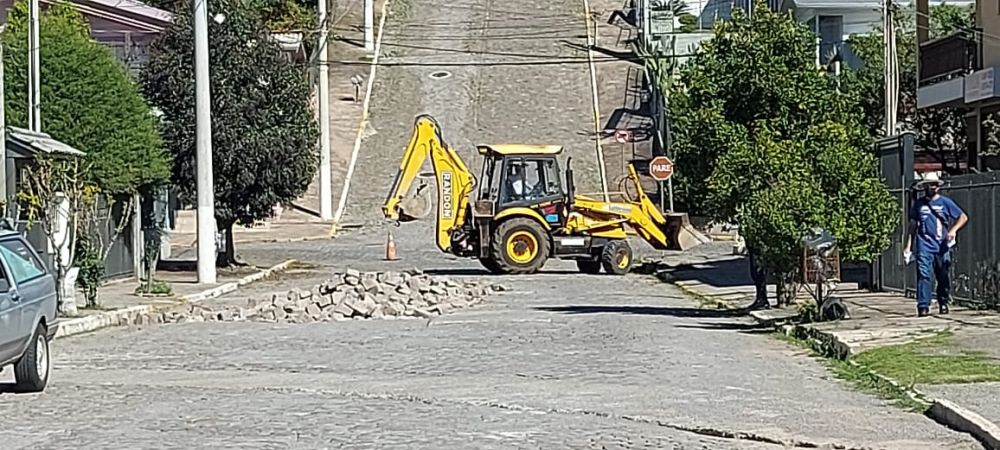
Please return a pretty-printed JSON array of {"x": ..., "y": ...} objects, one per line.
[
  {"x": 264, "y": 136},
  {"x": 764, "y": 139},
  {"x": 88, "y": 100},
  {"x": 939, "y": 129}
]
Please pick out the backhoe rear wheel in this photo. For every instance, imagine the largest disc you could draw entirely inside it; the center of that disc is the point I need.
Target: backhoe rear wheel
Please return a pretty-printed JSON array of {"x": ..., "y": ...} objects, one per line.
[
  {"x": 617, "y": 257},
  {"x": 520, "y": 245}
]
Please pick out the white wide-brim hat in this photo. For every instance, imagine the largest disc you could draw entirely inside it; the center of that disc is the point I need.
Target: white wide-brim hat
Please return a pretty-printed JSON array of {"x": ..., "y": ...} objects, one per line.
[{"x": 930, "y": 178}]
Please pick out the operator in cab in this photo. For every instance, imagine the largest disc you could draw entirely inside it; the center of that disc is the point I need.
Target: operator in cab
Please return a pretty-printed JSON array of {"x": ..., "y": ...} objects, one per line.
[{"x": 518, "y": 187}]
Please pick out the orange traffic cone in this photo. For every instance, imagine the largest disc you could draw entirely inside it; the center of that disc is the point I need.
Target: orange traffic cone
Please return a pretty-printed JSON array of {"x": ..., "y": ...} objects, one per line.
[{"x": 390, "y": 247}]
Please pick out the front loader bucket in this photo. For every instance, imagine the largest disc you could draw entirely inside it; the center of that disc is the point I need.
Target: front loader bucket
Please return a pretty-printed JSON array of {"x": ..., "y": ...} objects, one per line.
[{"x": 681, "y": 235}]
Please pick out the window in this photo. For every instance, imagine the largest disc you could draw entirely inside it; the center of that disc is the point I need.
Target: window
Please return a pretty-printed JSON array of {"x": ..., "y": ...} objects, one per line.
[
  {"x": 552, "y": 185},
  {"x": 831, "y": 36},
  {"x": 24, "y": 266},
  {"x": 4, "y": 280},
  {"x": 526, "y": 180}
]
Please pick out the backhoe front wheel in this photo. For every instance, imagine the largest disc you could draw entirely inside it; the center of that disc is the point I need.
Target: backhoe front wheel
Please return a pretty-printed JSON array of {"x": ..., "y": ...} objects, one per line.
[
  {"x": 520, "y": 245},
  {"x": 617, "y": 257}
]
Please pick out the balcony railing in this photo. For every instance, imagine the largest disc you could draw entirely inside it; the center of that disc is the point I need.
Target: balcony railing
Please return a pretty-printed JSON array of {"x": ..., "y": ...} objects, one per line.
[{"x": 952, "y": 56}]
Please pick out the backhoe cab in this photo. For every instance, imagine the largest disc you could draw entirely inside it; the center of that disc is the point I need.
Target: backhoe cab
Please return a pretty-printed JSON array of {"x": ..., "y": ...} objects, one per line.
[{"x": 522, "y": 214}]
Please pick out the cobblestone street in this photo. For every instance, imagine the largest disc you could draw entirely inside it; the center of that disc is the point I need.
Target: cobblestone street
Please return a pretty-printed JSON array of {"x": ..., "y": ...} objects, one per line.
[
  {"x": 561, "y": 360},
  {"x": 556, "y": 360}
]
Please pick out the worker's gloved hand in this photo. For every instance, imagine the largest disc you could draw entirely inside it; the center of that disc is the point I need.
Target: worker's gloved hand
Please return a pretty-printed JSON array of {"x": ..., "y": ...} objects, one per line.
[{"x": 907, "y": 256}]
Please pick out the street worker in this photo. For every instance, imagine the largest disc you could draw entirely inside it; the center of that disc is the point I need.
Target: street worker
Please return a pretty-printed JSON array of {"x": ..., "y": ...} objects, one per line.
[{"x": 934, "y": 223}]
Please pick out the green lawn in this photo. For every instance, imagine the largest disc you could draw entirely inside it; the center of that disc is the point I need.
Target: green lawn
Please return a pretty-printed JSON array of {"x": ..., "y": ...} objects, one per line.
[{"x": 934, "y": 360}]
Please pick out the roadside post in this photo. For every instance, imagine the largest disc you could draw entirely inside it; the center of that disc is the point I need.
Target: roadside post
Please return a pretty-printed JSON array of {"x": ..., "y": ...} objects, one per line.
[
  {"x": 623, "y": 137},
  {"x": 661, "y": 169}
]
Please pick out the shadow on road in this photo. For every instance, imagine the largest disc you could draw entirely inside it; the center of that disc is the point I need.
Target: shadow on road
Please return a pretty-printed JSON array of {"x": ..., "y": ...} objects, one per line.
[
  {"x": 484, "y": 272},
  {"x": 742, "y": 327},
  {"x": 643, "y": 310},
  {"x": 9, "y": 388}
]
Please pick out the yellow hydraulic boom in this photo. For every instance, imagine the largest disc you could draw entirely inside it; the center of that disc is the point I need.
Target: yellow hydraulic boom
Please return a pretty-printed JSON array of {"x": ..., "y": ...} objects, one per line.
[{"x": 454, "y": 181}]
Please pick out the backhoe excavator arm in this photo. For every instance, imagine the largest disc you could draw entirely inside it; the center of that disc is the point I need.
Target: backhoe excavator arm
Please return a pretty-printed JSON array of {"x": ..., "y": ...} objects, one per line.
[{"x": 454, "y": 181}]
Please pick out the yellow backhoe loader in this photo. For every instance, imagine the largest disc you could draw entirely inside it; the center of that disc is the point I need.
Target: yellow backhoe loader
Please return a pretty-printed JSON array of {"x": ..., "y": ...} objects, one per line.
[{"x": 521, "y": 215}]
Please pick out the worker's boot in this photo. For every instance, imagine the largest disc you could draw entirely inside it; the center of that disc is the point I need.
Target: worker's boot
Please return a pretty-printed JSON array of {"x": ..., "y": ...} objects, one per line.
[
  {"x": 943, "y": 308},
  {"x": 923, "y": 311},
  {"x": 760, "y": 303}
]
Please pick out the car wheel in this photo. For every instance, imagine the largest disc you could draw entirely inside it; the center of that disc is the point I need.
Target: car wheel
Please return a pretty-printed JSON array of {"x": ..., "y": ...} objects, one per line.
[{"x": 31, "y": 372}]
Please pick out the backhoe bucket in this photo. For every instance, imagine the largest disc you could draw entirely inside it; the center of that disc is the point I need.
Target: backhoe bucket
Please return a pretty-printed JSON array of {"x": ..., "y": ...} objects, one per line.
[
  {"x": 416, "y": 204},
  {"x": 681, "y": 235}
]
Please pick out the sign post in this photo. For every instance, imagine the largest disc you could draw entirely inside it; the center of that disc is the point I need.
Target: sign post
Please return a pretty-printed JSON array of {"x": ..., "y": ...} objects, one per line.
[
  {"x": 623, "y": 137},
  {"x": 661, "y": 169}
]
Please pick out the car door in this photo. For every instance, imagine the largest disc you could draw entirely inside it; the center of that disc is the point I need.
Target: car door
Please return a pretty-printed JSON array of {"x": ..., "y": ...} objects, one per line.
[
  {"x": 12, "y": 338},
  {"x": 33, "y": 286}
]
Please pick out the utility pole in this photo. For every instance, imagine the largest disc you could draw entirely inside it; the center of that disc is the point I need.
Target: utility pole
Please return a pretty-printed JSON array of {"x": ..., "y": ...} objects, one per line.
[
  {"x": 369, "y": 26},
  {"x": 34, "y": 71},
  {"x": 325, "y": 187},
  {"x": 3, "y": 135},
  {"x": 591, "y": 39},
  {"x": 203, "y": 139},
  {"x": 891, "y": 73}
]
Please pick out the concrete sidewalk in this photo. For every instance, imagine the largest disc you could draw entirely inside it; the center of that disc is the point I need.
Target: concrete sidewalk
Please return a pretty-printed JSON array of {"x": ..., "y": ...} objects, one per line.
[
  {"x": 119, "y": 305},
  {"x": 877, "y": 320}
]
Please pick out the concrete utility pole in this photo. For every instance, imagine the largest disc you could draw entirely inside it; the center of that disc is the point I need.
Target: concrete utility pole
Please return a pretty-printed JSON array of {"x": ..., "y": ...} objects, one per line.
[
  {"x": 591, "y": 40},
  {"x": 3, "y": 135},
  {"x": 891, "y": 68},
  {"x": 203, "y": 139},
  {"x": 369, "y": 26},
  {"x": 325, "y": 177},
  {"x": 34, "y": 69}
]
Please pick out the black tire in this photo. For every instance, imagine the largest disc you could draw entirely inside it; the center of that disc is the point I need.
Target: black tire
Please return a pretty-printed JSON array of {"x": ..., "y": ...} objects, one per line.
[
  {"x": 520, "y": 227},
  {"x": 617, "y": 257},
  {"x": 31, "y": 372},
  {"x": 490, "y": 265},
  {"x": 589, "y": 266}
]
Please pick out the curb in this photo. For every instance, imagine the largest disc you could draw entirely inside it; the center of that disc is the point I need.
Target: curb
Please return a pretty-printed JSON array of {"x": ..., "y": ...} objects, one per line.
[
  {"x": 73, "y": 327},
  {"x": 224, "y": 289},
  {"x": 961, "y": 419}
]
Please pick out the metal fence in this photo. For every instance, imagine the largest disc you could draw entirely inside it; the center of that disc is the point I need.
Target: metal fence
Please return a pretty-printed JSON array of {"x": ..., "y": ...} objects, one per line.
[
  {"x": 120, "y": 260},
  {"x": 976, "y": 259}
]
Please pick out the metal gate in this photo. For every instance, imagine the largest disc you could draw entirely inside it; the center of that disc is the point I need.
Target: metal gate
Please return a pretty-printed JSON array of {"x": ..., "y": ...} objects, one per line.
[{"x": 976, "y": 258}]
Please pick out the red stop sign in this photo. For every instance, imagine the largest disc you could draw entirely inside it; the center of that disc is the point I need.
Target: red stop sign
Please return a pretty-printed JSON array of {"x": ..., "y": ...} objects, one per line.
[{"x": 661, "y": 168}]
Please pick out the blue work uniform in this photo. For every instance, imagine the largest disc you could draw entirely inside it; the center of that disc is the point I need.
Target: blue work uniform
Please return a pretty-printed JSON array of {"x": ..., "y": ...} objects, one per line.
[{"x": 934, "y": 217}]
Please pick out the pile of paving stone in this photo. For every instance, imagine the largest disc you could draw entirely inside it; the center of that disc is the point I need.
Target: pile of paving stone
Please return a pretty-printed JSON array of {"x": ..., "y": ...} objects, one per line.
[{"x": 347, "y": 296}]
